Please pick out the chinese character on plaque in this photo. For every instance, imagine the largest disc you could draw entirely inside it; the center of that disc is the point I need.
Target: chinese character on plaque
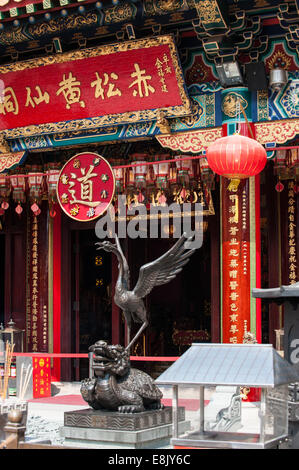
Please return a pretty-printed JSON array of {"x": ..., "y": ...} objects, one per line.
[{"x": 85, "y": 187}]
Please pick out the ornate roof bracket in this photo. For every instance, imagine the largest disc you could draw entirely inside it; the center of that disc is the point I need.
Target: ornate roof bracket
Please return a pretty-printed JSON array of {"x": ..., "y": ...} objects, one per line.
[
  {"x": 213, "y": 15},
  {"x": 286, "y": 17},
  {"x": 240, "y": 22}
]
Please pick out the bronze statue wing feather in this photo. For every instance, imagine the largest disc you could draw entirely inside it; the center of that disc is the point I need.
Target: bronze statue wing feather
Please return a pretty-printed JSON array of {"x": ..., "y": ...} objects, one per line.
[{"x": 163, "y": 269}]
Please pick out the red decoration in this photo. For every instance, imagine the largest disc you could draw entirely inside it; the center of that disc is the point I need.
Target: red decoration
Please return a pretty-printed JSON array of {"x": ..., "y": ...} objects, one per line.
[
  {"x": 19, "y": 209},
  {"x": 236, "y": 157},
  {"x": 86, "y": 187},
  {"x": 41, "y": 377},
  {"x": 18, "y": 183},
  {"x": 119, "y": 175},
  {"x": 162, "y": 171},
  {"x": 279, "y": 187},
  {"x": 139, "y": 171}
]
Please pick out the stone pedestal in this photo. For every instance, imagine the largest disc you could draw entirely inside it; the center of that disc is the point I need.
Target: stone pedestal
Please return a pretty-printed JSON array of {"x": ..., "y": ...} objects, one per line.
[{"x": 112, "y": 430}]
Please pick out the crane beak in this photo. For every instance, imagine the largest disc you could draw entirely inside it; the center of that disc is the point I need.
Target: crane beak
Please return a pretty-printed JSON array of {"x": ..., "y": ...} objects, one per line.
[{"x": 100, "y": 245}]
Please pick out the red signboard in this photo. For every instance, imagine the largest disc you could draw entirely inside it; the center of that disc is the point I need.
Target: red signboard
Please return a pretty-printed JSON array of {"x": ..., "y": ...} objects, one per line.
[
  {"x": 235, "y": 261},
  {"x": 124, "y": 82},
  {"x": 85, "y": 187},
  {"x": 41, "y": 376}
]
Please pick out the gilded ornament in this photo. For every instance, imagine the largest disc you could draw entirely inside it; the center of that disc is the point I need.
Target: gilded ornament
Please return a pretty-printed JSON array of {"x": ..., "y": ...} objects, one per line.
[
  {"x": 75, "y": 210},
  {"x": 64, "y": 179},
  {"x": 209, "y": 11},
  {"x": 230, "y": 104},
  {"x": 64, "y": 198}
]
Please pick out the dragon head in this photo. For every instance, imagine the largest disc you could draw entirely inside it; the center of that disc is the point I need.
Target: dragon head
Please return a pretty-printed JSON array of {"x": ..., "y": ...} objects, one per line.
[
  {"x": 107, "y": 246},
  {"x": 111, "y": 359}
]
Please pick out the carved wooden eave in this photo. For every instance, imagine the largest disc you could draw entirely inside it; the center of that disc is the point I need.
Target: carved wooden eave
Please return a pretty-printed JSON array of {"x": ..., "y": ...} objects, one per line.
[
  {"x": 9, "y": 160},
  {"x": 278, "y": 132},
  {"x": 191, "y": 141}
]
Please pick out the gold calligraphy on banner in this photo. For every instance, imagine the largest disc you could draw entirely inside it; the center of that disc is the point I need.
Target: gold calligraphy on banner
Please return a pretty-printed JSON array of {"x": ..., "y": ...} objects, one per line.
[
  {"x": 292, "y": 246},
  {"x": 70, "y": 88},
  {"x": 233, "y": 257},
  {"x": 34, "y": 285}
]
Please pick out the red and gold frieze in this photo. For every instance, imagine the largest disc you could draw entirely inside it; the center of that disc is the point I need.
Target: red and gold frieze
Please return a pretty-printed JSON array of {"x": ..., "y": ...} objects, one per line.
[
  {"x": 9, "y": 160},
  {"x": 192, "y": 141}
]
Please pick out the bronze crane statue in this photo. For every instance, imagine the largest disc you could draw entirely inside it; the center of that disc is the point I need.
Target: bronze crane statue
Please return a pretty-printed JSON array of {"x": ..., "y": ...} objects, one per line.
[{"x": 156, "y": 273}]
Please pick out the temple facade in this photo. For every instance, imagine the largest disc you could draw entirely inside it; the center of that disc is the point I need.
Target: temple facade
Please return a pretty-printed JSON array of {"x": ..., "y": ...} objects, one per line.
[{"x": 145, "y": 85}]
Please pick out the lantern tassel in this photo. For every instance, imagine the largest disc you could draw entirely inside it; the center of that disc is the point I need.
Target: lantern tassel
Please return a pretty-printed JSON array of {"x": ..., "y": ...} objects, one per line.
[{"x": 234, "y": 184}]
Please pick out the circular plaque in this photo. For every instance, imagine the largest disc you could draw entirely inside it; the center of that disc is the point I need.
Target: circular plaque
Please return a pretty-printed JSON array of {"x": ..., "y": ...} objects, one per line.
[{"x": 85, "y": 186}]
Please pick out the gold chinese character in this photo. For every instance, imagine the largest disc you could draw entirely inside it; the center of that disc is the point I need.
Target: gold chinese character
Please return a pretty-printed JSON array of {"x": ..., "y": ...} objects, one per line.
[
  {"x": 9, "y": 102},
  {"x": 233, "y": 285},
  {"x": 234, "y": 317},
  {"x": 233, "y": 307},
  {"x": 233, "y": 263},
  {"x": 233, "y": 253},
  {"x": 234, "y": 296},
  {"x": 70, "y": 88},
  {"x": 291, "y": 209},
  {"x": 233, "y": 230},
  {"x": 233, "y": 339},
  {"x": 159, "y": 63},
  {"x": 36, "y": 100},
  {"x": 233, "y": 329},
  {"x": 233, "y": 274},
  {"x": 99, "y": 84},
  {"x": 141, "y": 82},
  {"x": 86, "y": 188}
]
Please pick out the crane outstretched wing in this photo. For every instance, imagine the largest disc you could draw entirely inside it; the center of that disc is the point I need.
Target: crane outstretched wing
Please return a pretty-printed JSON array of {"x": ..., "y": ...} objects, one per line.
[{"x": 163, "y": 269}]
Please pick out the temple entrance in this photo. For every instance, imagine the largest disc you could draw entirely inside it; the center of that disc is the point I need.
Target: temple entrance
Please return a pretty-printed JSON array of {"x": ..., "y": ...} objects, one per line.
[
  {"x": 91, "y": 296},
  {"x": 180, "y": 311},
  {"x": 2, "y": 277}
]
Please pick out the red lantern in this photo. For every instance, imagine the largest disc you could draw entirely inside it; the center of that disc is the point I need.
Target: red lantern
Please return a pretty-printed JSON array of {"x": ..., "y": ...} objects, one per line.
[
  {"x": 140, "y": 170},
  {"x": 236, "y": 157},
  {"x": 18, "y": 183},
  {"x": 35, "y": 183},
  {"x": 119, "y": 175},
  {"x": 161, "y": 171},
  {"x": 4, "y": 190}
]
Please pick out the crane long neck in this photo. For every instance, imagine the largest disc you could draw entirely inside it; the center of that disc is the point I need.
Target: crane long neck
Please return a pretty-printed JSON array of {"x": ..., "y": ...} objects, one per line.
[{"x": 122, "y": 267}]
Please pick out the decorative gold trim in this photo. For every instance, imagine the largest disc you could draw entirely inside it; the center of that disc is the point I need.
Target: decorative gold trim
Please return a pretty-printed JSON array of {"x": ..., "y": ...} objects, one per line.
[
  {"x": 190, "y": 141},
  {"x": 9, "y": 160},
  {"x": 276, "y": 131},
  {"x": 101, "y": 121}
]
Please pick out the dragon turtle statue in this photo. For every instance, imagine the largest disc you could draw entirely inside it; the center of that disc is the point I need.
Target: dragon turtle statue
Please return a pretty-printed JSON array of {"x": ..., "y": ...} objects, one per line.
[{"x": 116, "y": 386}]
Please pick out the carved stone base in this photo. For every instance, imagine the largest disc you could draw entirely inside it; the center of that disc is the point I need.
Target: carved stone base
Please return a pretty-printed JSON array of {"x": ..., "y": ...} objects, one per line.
[{"x": 107, "y": 429}]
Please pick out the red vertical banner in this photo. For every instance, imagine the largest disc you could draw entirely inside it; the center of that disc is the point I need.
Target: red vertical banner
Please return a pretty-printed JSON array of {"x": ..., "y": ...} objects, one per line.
[
  {"x": 235, "y": 261},
  {"x": 41, "y": 376},
  {"x": 37, "y": 283}
]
